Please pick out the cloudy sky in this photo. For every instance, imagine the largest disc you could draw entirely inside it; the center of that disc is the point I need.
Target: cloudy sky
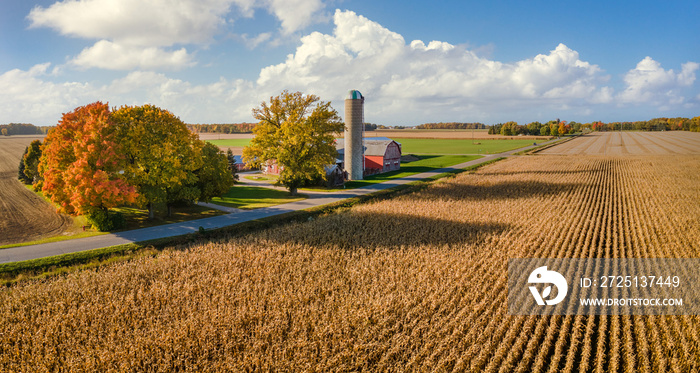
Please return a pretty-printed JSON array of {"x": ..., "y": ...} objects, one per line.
[{"x": 212, "y": 61}]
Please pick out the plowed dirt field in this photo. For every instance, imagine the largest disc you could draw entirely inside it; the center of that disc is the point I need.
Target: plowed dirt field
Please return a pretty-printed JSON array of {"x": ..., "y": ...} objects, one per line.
[
  {"x": 23, "y": 215},
  {"x": 630, "y": 143}
]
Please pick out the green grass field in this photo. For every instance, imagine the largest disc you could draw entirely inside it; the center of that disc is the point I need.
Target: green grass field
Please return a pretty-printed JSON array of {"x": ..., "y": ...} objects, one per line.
[
  {"x": 425, "y": 164},
  {"x": 252, "y": 197},
  {"x": 429, "y": 146},
  {"x": 230, "y": 143},
  {"x": 459, "y": 146}
]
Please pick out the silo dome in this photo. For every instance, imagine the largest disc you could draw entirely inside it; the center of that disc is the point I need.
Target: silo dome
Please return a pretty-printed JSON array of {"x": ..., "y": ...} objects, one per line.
[{"x": 354, "y": 95}]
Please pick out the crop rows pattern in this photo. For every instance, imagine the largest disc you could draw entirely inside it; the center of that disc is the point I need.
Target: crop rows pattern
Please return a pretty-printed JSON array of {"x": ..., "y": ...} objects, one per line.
[{"x": 416, "y": 283}]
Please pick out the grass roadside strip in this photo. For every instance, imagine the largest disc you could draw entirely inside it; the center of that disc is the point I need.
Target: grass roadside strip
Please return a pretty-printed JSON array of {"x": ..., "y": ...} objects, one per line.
[{"x": 37, "y": 269}]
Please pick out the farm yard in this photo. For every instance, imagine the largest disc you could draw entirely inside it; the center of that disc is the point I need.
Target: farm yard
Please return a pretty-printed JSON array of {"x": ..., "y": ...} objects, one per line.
[
  {"x": 24, "y": 216},
  {"x": 417, "y": 282}
]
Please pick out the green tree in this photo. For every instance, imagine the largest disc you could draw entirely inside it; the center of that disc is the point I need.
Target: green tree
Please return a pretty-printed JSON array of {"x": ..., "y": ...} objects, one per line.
[
  {"x": 214, "y": 177},
  {"x": 297, "y": 132},
  {"x": 533, "y": 128},
  {"x": 162, "y": 155},
  {"x": 31, "y": 161},
  {"x": 553, "y": 128},
  {"x": 20, "y": 172},
  {"x": 233, "y": 169}
]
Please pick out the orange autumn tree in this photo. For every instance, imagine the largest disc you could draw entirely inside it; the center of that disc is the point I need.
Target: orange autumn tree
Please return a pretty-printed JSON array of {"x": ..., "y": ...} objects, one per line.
[{"x": 82, "y": 166}]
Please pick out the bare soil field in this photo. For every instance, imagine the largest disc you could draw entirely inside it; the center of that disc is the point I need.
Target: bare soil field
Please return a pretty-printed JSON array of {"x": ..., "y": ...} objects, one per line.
[
  {"x": 630, "y": 143},
  {"x": 413, "y": 283},
  {"x": 23, "y": 215}
]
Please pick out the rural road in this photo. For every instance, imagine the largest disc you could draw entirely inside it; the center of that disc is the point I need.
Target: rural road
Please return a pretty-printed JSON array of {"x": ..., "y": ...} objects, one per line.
[{"x": 21, "y": 253}]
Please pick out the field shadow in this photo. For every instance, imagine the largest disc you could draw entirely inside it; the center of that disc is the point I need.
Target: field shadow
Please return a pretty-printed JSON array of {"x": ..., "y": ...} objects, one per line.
[
  {"x": 368, "y": 230},
  {"x": 539, "y": 173},
  {"x": 498, "y": 191}
]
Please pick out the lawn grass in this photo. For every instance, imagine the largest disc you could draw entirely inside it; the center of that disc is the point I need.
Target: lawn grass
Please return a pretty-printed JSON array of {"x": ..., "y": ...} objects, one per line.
[
  {"x": 425, "y": 164},
  {"x": 271, "y": 179},
  {"x": 232, "y": 143},
  {"x": 459, "y": 146},
  {"x": 138, "y": 218},
  {"x": 253, "y": 197}
]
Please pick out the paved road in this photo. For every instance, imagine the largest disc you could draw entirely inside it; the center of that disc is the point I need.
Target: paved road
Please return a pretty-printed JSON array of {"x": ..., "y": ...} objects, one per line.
[{"x": 177, "y": 229}]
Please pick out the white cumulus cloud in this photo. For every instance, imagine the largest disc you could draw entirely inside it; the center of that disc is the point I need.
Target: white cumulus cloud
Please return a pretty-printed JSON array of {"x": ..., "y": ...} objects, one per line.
[
  {"x": 295, "y": 14},
  {"x": 135, "y": 22},
  {"x": 132, "y": 33},
  {"x": 108, "y": 55},
  {"x": 428, "y": 78},
  {"x": 30, "y": 96},
  {"x": 650, "y": 83}
]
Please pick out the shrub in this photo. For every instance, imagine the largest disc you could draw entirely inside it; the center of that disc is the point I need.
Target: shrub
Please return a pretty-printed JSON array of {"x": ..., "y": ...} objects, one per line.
[{"x": 103, "y": 220}]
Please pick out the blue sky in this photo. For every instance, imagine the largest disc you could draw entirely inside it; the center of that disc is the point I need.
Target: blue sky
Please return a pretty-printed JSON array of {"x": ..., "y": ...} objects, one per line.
[{"x": 212, "y": 61}]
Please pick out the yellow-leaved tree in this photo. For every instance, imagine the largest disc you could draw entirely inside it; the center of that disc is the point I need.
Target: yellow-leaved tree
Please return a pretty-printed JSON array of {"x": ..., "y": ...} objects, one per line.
[
  {"x": 162, "y": 155},
  {"x": 297, "y": 132}
]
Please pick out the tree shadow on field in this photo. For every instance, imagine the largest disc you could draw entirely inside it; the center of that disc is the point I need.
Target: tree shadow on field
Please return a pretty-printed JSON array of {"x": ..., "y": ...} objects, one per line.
[
  {"x": 496, "y": 191},
  {"x": 368, "y": 230},
  {"x": 540, "y": 173}
]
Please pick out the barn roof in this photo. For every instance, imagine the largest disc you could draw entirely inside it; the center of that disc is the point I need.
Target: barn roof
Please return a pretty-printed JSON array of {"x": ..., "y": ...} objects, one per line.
[{"x": 372, "y": 145}]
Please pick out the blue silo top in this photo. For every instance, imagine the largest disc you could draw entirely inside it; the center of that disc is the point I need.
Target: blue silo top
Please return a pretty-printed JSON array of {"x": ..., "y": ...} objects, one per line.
[{"x": 354, "y": 95}]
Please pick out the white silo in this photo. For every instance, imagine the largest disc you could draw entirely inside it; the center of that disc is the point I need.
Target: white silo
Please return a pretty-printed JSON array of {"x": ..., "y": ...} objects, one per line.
[{"x": 354, "y": 127}]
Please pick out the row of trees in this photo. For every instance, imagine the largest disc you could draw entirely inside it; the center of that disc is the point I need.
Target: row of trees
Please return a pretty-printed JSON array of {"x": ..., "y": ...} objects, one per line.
[
  {"x": 222, "y": 128},
  {"x": 557, "y": 127},
  {"x": 451, "y": 126},
  {"x": 21, "y": 129},
  {"x": 96, "y": 159},
  {"x": 656, "y": 124},
  {"x": 551, "y": 128}
]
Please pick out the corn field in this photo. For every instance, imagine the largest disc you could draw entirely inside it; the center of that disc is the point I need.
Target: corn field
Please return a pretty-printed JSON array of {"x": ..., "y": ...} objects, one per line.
[{"x": 416, "y": 283}]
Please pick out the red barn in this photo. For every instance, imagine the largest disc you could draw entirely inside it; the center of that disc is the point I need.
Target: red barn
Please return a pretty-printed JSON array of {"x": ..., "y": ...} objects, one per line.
[{"x": 381, "y": 154}]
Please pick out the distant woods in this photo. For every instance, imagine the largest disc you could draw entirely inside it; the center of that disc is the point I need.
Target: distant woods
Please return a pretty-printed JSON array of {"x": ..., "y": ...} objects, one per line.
[
  {"x": 222, "y": 128},
  {"x": 22, "y": 129},
  {"x": 558, "y": 127},
  {"x": 656, "y": 124},
  {"x": 451, "y": 126},
  {"x": 511, "y": 128}
]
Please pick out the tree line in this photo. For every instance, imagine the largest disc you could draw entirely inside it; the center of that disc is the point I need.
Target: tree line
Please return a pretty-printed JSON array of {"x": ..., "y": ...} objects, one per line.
[
  {"x": 22, "y": 129},
  {"x": 558, "y": 127},
  {"x": 451, "y": 126},
  {"x": 552, "y": 128},
  {"x": 222, "y": 128},
  {"x": 97, "y": 159},
  {"x": 656, "y": 124}
]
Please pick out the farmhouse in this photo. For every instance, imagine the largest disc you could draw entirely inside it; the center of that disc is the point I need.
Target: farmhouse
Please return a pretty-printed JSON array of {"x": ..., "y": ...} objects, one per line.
[
  {"x": 240, "y": 165},
  {"x": 381, "y": 154}
]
